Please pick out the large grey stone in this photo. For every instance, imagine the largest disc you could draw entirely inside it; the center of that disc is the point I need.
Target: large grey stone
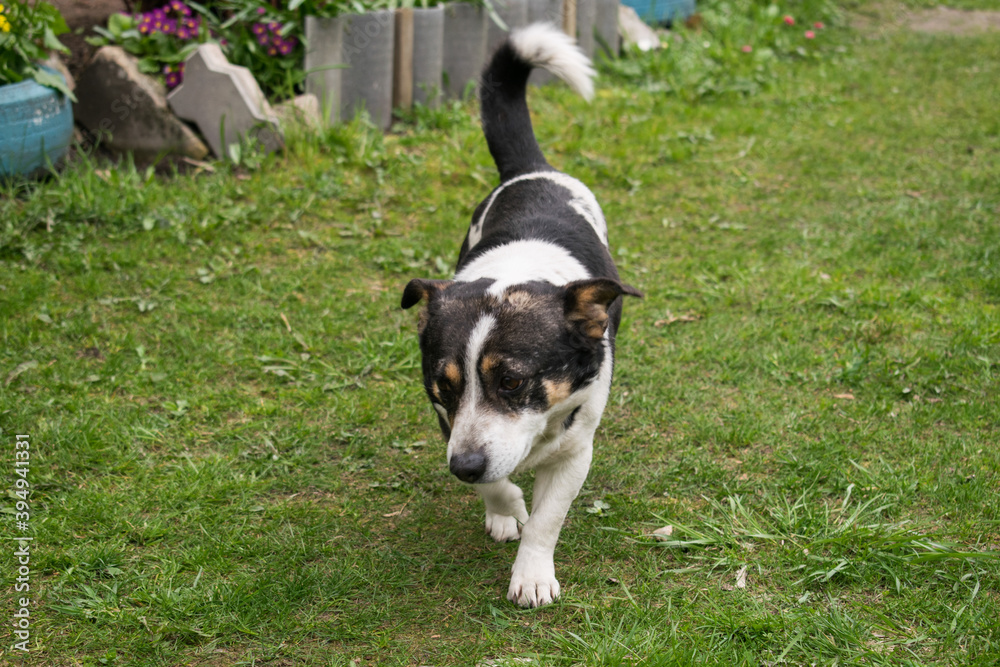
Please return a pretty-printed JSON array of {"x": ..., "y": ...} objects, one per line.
[
  {"x": 324, "y": 62},
  {"x": 514, "y": 14},
  {"x": 465, "y": 31},
  {"x": 586, "y": 16},
  {"x": 606, "y": 28},
  {"x": 349, "y": 64},
  {"x": 368, "y": 53},
  {"x": 128, "y": 110},
  {"x": 428, "y": 54},
  {"x": 224, "y": 101}
]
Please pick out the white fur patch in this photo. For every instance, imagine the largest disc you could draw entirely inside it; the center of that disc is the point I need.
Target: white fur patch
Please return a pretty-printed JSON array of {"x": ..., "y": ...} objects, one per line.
[
  {"x": 523, "y": 261},
  {"x": 583, "y": 202},
  {"x": 544, "y": 45},
  {"x": 468, "y": 420}
]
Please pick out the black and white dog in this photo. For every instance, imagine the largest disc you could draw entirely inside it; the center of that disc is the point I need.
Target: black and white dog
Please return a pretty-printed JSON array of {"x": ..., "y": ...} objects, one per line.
[{"x": 517, "y": 349}]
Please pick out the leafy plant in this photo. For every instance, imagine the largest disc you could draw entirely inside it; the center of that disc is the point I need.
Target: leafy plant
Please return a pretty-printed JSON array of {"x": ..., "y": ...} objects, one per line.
[
  {"x": 734, "y": 47},
  {"x": 27, "y": 33},
  {"x": 162, "y": 38}
]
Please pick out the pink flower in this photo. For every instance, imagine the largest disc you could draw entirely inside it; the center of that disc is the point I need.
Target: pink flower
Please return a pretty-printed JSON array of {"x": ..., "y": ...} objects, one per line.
[
  {"x": 789, "y": 20},
  {"x": 810, "y": 34},
  {"x": 261, "y": 10},
  {"x": 818, "y": 25},
  {"x": 747, "y": 48}
]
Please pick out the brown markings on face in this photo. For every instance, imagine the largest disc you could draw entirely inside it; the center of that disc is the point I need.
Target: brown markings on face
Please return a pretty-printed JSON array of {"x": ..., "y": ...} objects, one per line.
[
  {"x": 453, "y": 373},
  {"x": 557, "y": 391},
  {"x": 436, "y": 391},
  {"x": 489, "y": 363}
]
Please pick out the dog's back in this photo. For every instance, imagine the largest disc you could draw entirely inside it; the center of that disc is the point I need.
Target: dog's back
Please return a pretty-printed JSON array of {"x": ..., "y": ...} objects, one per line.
[{"x": 539, "y": 223}]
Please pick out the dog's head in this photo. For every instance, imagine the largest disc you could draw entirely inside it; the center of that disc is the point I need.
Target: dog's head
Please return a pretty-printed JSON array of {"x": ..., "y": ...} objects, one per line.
[{"x": 505, "y": 370}]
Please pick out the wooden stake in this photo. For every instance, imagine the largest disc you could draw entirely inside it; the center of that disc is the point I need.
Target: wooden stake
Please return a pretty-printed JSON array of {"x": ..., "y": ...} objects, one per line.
[{"x": 402, "y": 78}]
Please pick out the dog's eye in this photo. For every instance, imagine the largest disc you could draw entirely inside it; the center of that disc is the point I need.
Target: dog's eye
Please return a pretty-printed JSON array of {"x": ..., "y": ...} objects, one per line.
[{"x": 509, "y": 383}]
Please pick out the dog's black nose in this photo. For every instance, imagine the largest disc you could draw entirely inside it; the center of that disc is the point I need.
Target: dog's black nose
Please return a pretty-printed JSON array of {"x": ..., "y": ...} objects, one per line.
[{"x": 468, "y": 467}]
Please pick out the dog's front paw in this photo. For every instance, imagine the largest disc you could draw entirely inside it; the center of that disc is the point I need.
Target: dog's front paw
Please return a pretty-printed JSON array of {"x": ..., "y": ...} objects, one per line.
[
  {"x": 533, "y": 587},
  {"x": 502, "y": 528}
]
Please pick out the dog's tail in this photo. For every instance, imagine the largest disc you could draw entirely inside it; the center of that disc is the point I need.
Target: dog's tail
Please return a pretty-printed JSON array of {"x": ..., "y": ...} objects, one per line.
[{"x": 504, "y": 109}]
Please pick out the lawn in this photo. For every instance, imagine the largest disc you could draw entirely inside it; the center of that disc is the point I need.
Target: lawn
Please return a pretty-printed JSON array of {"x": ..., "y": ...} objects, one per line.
[{"x": 233, "y": 462}]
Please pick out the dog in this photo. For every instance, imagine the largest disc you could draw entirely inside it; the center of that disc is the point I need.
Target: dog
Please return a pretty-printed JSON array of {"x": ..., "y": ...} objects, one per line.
[{"x": 517, "y": 349}]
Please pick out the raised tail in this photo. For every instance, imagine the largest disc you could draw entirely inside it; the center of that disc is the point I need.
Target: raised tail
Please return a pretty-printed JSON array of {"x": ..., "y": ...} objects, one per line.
[{"x": 504, "y": 109}]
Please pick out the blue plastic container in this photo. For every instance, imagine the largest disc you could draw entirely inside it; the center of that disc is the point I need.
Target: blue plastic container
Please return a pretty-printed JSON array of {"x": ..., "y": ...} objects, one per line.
[
  {"x": 661, "y": 11},
  {"x": 36, "y": 128}
]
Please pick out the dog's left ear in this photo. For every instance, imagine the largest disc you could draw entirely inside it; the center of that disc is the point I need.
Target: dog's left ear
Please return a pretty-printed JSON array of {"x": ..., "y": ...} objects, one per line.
[
  {"x": 587, "y": 301},
  {"x": 419, "y": 288}
]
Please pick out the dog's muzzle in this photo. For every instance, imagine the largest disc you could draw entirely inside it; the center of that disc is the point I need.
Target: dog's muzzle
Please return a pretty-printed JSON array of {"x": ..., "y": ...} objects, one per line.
[{"x": 469, "y": 467}]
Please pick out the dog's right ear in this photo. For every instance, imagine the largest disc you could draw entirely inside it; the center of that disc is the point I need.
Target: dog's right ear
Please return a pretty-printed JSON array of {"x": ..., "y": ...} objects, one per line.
[{"x": 419, "y": 288}]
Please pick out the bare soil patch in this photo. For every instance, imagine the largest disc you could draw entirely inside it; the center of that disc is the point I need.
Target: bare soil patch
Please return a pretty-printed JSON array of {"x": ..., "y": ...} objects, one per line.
[{"x": 945, "y": 20}]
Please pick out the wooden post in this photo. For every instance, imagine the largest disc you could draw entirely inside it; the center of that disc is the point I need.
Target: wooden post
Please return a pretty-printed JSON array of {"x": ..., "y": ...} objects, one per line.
[
  {"x": 569, "y": 18},
  {"x": 402, "y": 80}
]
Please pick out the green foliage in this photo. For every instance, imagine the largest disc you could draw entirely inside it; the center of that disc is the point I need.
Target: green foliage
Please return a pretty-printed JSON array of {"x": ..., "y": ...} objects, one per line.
[
  {"x": 28, "y": 32},
  {"x": 734, "y": 48},
  {"x": 233, "y": 460}
]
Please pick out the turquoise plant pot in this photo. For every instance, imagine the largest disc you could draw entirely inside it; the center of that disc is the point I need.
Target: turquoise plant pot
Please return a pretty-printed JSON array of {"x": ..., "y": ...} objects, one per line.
[{"x": 36, "y": 127}]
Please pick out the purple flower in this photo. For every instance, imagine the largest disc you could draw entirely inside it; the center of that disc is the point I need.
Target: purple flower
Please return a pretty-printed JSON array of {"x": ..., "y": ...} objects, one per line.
[
  {"x": 169, "y": 26},
  {"x": 285, "y": 48},
  {"x": 183, "y": 33},
  {"x": 261, "y": 10},
  {"x": 258, "y": 29},
  {"x": 262, "y": 40}
]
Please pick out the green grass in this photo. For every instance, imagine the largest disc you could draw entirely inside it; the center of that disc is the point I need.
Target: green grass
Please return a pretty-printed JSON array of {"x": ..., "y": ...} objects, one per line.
[{"x": 233, "y": 461}]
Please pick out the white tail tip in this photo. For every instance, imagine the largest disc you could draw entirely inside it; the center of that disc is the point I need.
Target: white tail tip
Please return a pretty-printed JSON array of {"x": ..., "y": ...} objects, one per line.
[{"x": 546, "y": 46}]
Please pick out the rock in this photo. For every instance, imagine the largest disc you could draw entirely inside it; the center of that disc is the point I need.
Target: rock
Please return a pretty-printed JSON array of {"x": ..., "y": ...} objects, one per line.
[
  {"x": 606, "y": 28},
  {"x": 56, "y": 63},
  {"x": 302, "y": 110},
  {"x": 465, "y": 30},
  {"x": 661, "y": 534},
  {"x": 224, "y": 101},
  {"x": 635, "y": 31},
  {"x": 128, "y": 111}
]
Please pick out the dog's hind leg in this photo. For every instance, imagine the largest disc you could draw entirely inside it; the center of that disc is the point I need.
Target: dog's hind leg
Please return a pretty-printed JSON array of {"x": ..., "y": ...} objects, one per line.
[{"x": 505, "y": 509}]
